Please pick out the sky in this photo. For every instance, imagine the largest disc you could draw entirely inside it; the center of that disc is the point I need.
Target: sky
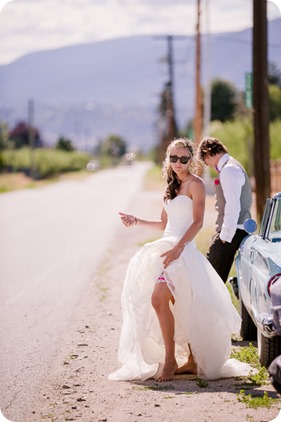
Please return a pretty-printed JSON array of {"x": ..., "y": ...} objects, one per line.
[{"x": 34, "y": 25}]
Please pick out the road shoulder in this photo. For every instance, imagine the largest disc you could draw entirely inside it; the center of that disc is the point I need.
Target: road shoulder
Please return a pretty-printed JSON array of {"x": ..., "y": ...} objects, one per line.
[{"x": 77, "y": 388}]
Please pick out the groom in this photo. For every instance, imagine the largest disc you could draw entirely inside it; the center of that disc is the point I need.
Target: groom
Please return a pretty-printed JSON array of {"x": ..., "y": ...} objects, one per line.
[{"x": 233, "y": 197}]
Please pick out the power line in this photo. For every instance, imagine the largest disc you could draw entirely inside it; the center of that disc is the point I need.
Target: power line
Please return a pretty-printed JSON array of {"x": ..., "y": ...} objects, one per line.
[{"x": 237, "y": 40}]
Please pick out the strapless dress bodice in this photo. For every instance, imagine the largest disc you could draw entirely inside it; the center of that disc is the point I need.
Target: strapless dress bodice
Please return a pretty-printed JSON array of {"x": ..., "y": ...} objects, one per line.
[{"x": 180, "y": 215}]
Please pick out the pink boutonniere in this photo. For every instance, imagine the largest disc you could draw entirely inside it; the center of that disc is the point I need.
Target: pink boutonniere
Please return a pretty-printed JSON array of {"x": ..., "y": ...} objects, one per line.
[{"x": 216, "y": 182}]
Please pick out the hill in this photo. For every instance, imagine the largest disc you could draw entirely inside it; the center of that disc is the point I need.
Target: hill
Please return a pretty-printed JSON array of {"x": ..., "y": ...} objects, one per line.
[{"x": 89, "y": 91}]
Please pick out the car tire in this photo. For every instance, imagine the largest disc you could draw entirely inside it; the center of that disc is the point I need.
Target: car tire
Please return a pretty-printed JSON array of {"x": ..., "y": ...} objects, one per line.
[
  {"x": 268, "y": 349},
  {"x": 248, "y": 329}
]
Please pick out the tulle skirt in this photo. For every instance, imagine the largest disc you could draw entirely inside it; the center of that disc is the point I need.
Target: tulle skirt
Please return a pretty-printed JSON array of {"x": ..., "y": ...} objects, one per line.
[{"x": 204, "y": 315}]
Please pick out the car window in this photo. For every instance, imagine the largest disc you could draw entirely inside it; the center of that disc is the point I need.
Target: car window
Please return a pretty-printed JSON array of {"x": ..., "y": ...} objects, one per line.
[
  {"x": 275, "y": 226},
  {"x": 265, "y": 218}
]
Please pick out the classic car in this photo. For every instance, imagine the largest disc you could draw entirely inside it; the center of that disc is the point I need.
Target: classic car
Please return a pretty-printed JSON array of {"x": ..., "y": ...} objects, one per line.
[{"x": 258, "y": 282}]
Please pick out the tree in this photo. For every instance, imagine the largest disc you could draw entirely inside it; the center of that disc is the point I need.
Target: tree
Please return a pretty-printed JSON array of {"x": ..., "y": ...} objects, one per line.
[
  {"x": 4, "y": 136},
  {"x": 274, "y": 102},
  {"x": 114, "y": 146},
  {"x": 21, "y": 135},
  {"x": 64, "y": 144},
  {"x": 274, "y": 80},
  {"x": 274, "y": 75},
  {"x": 223, "y": 100}
]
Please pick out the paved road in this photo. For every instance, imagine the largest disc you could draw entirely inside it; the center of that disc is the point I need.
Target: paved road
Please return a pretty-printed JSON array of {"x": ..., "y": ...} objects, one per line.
[{"x": 51, "y": 242}]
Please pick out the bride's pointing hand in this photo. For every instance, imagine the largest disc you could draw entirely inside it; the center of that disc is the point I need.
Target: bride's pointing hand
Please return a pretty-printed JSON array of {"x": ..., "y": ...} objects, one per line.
[{"x": 127, "y": 219}]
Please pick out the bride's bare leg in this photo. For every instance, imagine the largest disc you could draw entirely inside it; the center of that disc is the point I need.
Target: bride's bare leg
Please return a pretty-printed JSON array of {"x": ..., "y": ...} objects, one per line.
[
  {"x": 189, "y": 367},
  {"x": 160, "y": 301}
]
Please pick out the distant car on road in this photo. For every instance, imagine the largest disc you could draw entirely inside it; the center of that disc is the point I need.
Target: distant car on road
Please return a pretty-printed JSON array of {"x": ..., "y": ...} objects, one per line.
[
  {"x": 128, "y": 158},
  {"x": 258, "y": 282},
  {"x": 93, "y": 165}
]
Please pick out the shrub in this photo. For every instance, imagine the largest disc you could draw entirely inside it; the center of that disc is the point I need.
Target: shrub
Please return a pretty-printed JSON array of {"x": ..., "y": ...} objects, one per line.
[
  {"x": 46, "y": 162},
  {"x": 238, "y": 137}
]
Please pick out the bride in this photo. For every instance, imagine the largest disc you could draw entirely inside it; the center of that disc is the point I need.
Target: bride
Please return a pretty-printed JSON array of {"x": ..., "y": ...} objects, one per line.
[{"x": 177, "y": 312}]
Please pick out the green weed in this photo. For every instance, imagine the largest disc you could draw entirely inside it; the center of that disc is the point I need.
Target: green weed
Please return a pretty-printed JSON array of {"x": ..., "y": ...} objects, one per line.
[
  {"x": 160, "y": 387},
  {"x": 260, "y": 378},
  {"x": 247, "y": 354},
  {"x": 256, "y": 401},
  {"x": 202, "y": 383}
]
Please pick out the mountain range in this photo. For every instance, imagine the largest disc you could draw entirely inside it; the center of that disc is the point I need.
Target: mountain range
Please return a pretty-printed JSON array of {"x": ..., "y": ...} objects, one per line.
[{"x": 89, "y": 91}]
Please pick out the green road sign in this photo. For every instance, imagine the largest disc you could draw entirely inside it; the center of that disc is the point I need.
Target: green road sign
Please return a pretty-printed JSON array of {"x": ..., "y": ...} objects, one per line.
[{"x": 248, "y": 90}]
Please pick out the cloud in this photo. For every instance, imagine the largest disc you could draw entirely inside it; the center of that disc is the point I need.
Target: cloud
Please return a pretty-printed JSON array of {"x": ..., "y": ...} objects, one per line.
[
  {"x": 3, "y": 3},
  {"x": 30, "y": 25},
  {"x": 277, "y": 3},
  {"x": 34, "y": 25}
]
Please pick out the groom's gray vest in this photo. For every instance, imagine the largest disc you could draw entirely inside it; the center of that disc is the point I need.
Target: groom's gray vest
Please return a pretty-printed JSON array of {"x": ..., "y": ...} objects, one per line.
[{"x": 245, "y": 199}]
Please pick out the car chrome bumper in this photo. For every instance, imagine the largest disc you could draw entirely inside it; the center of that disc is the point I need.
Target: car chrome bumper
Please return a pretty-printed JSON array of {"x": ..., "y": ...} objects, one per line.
[{"x": 267, "y": 328}]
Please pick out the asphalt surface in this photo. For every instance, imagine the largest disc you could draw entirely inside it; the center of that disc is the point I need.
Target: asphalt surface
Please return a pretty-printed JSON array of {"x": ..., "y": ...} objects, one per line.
[
  {"x": 52, "y": 240},
  {"x": 76, "y": 387}
]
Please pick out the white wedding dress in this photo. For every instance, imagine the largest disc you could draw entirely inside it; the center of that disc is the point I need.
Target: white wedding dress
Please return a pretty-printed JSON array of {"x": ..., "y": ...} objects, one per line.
[{"x": 204, "y": 315}]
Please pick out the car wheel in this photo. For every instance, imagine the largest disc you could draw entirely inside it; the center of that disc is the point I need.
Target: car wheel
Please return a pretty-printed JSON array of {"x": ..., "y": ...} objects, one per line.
[
  {"x": 268, "y": 349},
  {"x": 248, "y": 329}
]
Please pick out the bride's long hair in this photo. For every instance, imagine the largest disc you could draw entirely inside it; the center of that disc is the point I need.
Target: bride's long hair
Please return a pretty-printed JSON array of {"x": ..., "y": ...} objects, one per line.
[{"x": 173, "y": 183}]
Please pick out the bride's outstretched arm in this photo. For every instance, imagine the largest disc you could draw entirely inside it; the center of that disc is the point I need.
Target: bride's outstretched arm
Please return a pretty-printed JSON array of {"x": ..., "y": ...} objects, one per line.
[{"x": 130, "y": 220}]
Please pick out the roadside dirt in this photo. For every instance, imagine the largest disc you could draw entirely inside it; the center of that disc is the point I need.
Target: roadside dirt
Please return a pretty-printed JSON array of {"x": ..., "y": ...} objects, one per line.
[{"x": 77, "y": 388}]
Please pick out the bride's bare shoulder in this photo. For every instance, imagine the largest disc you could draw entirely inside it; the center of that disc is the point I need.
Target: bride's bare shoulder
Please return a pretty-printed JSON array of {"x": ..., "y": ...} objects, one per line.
[{"x": 197, "y": 180}]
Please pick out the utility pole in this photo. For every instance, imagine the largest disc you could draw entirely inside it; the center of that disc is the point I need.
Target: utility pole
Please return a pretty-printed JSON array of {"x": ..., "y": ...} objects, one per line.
[
  {"x": 207, "y": 90},
  {"x": 261, "y": 106},
  {"x": 197, "y": 123},
  {"x": 171, "y": 115},
  {"x": 169, "y": 90},
  {"x": 31, "y": 136},
  {"x": 198, "y": 93}
]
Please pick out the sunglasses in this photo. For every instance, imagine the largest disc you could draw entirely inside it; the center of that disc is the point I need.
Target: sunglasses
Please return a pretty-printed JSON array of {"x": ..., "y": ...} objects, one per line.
[{"x": 183, "y": 159}]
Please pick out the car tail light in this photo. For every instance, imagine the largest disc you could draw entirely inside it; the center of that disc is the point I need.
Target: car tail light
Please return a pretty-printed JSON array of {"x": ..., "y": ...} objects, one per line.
[{"x": 272, "y": 281}]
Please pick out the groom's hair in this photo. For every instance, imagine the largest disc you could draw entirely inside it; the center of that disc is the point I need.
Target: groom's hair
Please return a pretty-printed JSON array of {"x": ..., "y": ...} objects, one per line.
[{"x": 209, "y": 147}]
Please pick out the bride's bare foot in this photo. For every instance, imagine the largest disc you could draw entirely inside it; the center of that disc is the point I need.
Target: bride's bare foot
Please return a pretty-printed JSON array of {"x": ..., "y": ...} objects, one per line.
[
  {"x": 189, "y": 367},
  {"x": 168, "y": 372}
]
